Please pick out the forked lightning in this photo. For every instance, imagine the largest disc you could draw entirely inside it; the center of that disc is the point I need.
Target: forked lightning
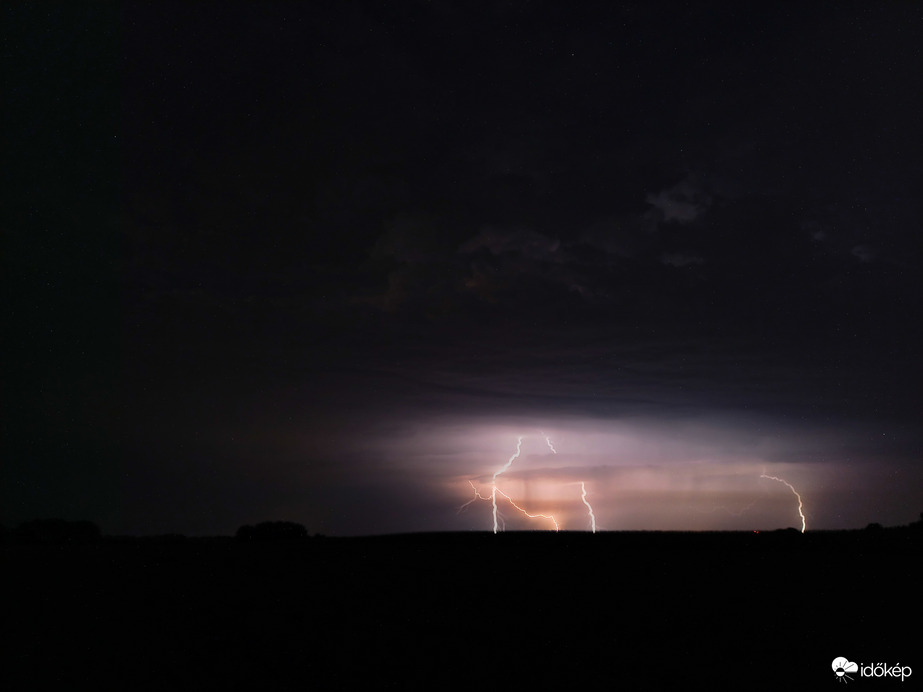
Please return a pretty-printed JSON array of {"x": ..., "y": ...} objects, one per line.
[{"x": 494, "y": 491}]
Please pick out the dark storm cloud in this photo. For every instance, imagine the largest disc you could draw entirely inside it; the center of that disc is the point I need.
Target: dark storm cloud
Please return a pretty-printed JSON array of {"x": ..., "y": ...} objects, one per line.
[
  {"x": 528, "y": 243},
  {"x": 627, "y": 235},
  {"x": 684, "y": 202},
  {"x": 679, "y": 260}
]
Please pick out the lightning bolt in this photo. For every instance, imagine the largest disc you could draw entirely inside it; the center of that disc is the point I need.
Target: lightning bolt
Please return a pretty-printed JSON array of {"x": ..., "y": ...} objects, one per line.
[
  {"x": 531, "y": 516},
  {"x": 548, "y": 442},
  {"x": 494, "y": 491},
  {"x": 582, "y": 486},
  {"x": 477, "y": 496},
  {"x": 588, "y": 506},
  {"x": 800, "y": 502}
]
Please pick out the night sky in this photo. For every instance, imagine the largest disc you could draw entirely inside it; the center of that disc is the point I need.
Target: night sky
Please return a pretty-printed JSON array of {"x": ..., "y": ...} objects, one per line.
[{"x": 326, "y": 262}]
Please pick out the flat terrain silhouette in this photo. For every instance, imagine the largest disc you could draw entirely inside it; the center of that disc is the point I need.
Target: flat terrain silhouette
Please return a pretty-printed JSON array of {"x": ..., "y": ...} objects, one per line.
[{"x": 643, "y": 609}]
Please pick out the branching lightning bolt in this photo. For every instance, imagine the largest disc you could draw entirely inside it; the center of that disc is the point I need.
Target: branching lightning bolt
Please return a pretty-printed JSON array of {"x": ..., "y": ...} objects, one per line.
[
  {"x": 494, "y": 491},
  {"x": 477, "y": 496},
  {"x": 492, "y": 497},
  {"x": 800, "y": 502},
  {"x": 531, "y": 516}
]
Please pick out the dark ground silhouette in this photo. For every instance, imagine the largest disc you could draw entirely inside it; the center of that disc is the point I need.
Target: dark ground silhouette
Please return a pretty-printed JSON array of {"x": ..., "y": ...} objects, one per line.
[
  {"x": 643, "y": 610},
  {"x": 272, "y": 531}
]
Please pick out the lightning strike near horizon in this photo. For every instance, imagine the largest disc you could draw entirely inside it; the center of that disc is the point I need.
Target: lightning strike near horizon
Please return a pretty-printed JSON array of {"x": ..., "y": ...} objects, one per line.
[
  {"x": 478, "y": 496},
  {"x": 494, "y": 491},
  {"x": 531, "y": 516},
  {"x": 800, "y": 502},
  {"x": 588, "y": 506}
]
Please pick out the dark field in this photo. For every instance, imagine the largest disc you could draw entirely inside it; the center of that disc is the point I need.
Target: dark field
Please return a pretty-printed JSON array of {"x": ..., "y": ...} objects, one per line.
[{"x": 515, "y": 610}]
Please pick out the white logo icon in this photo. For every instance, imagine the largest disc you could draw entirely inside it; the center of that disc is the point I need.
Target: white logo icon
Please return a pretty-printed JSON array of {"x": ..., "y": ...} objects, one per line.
[{"x": 841, "y": 666}]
